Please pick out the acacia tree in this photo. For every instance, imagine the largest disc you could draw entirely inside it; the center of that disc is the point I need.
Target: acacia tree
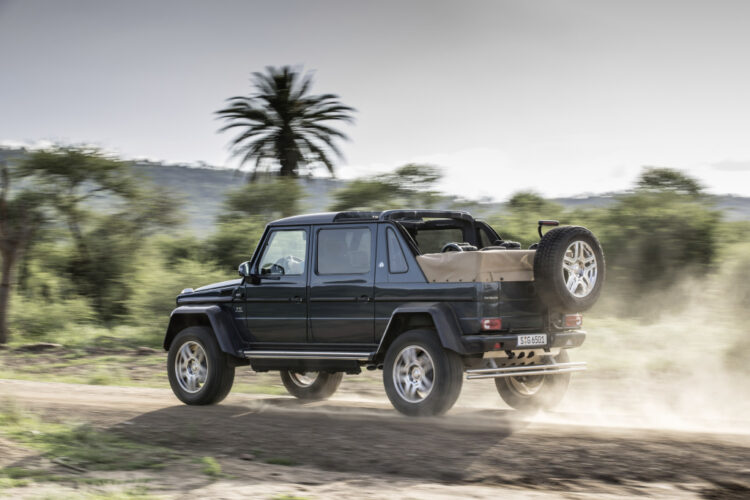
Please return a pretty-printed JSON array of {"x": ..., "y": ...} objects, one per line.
[
  {"x": 107, "y": 212},
  {"x": 668, "y": 180},
  {"x": 74, "y": 176},
  {"x": 409, "y": 186},
  {"x": 282, "y": 125},
  {"x": 21, "y": 217}
]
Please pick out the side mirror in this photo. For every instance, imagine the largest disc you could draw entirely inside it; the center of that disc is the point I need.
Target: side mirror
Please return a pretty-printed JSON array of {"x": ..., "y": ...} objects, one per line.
[{"x": 244, "y": 269}]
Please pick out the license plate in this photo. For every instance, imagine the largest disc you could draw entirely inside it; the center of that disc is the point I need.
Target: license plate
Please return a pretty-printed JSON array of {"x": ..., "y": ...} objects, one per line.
[{"x": 529, "y": 340}]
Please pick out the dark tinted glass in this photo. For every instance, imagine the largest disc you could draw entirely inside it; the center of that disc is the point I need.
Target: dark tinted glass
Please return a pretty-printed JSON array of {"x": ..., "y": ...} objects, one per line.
[
  {"x": 433, "y": 240},
  {"x": 396, "y": 258},
  {"x": 344, "y": 251}
]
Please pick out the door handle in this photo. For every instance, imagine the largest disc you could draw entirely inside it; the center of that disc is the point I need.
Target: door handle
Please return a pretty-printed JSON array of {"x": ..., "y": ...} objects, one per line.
[
  {"x": 297, "y": 299},
  {"x": 365, "y": 298}
]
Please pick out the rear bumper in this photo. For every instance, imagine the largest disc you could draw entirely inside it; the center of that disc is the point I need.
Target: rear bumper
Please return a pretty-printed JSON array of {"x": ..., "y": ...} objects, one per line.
[{"x": 478, "y": 344}]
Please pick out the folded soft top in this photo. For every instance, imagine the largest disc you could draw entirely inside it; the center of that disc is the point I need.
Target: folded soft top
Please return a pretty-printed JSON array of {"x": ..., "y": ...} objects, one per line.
[{"x": 490, "y": 265}]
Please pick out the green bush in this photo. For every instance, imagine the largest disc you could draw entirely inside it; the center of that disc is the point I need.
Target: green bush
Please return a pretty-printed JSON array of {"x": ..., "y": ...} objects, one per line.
[
  {"x": 523, "y": 212},
  {"x": 655, "y": 239},
  {"x": 155, "y": 286},
  {"x": 233, "y": 243},
  {"x": 35, "y": 320}
]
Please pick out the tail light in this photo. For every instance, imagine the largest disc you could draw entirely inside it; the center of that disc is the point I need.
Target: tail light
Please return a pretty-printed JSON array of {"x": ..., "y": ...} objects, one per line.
[
  {"x": 490, "y": 324},
  {"x": 573, "y": 320}
]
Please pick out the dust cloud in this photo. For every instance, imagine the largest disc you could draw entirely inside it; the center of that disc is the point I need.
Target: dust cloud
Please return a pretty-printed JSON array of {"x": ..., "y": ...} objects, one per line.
[{"x": 681, "y": 361}]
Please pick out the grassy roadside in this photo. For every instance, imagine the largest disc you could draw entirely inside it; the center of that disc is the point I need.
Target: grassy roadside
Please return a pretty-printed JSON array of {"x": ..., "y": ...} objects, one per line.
[
  {"x": 46, "y": 457},
  {"x": 129, "y": 367},
  {"x": 72, "y": 456}
]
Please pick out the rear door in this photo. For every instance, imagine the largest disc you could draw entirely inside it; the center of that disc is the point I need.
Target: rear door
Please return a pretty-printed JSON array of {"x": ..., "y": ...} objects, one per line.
[{"x": 341, "y": 305}]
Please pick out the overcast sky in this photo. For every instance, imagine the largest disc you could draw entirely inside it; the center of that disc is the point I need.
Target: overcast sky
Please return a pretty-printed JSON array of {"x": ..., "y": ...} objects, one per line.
[{"x": 565, "y": 97}]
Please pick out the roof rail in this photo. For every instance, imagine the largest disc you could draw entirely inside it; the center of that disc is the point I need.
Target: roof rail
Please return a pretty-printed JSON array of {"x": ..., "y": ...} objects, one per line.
[
  {"x": 419, "y": 214},
  {"x": 355, "y": 216}
]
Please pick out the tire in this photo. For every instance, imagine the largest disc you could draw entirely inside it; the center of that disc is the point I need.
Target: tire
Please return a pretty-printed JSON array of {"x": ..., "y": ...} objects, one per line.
[
  {"x": 196, "y": 348},
  {"x": 311, "y": 388},
  {"x": 541, "y": 391},
  {"x": 569, "y": 269},
  {"x": 414, "y": 358}
]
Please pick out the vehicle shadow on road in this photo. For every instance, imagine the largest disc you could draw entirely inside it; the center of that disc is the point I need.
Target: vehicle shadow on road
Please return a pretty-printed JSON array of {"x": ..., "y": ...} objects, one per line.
[{"x": 331, "y": 436}]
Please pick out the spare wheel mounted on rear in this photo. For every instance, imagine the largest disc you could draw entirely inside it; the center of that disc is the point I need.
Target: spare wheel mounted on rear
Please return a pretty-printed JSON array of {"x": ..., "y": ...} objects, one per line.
[{"x": 569, "y": 268}]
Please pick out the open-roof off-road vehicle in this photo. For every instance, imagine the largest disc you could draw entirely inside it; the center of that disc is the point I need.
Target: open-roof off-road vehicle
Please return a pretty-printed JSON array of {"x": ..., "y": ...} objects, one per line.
[{"x": 427, "y": 296}]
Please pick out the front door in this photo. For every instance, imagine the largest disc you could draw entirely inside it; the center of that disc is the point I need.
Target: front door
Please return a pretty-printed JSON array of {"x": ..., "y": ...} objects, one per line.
[
  {"x": 276, "y": 308},
  {"x": 342, "y": 284}
]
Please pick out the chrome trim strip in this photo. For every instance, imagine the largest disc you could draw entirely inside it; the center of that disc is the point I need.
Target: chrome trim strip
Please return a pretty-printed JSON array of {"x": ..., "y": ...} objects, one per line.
[
  {"x": 527, "y": 367},
  {"x": 516, "y": 371},
  {"x": 345, "y": 356}
]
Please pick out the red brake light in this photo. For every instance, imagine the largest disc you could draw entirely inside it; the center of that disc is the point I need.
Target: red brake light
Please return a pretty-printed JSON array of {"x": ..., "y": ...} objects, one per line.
[
  {"x": 573, "y": 320},
  {"x": 492, "y": 324}
]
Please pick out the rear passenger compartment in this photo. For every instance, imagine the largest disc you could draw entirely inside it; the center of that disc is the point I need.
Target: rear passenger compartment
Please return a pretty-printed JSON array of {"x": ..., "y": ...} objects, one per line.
[{"x": 489, "y": 265}]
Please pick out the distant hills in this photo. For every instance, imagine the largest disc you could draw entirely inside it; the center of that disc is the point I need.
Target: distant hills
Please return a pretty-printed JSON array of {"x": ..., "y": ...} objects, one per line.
[{"x": 203, "y": 188}]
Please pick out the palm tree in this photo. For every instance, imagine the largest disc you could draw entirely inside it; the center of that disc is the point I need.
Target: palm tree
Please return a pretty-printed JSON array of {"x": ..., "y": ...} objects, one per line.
[{"x": 282, "y": 124}]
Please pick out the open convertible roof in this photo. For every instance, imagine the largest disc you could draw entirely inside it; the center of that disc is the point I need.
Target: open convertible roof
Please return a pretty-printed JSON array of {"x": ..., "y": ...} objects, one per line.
[{"x": 363, "y": 216}]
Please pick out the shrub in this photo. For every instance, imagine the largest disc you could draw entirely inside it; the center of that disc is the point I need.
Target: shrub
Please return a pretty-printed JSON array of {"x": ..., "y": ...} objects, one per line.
[{"x": 42, "y": 319}]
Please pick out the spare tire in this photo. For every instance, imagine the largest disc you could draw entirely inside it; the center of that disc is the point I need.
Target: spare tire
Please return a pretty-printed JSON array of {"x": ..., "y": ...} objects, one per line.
[{"x": 569, "y": 268}]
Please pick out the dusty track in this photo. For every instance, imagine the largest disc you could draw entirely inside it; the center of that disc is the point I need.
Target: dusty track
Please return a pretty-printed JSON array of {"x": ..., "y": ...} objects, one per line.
[{"x": 366, "y": 447}]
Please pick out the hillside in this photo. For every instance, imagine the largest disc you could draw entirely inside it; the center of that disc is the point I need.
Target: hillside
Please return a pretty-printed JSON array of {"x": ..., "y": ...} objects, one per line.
[{"x": 202, "y": 190}]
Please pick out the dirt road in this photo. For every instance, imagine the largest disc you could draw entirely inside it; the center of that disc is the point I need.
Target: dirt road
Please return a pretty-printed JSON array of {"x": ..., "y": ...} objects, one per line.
[{"x": 362, "y": 447}]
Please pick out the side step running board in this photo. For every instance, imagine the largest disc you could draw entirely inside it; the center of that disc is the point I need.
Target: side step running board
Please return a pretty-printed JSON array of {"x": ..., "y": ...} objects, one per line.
[
  {"x": 345, "y": 356},
  {"x": 517, "y": 371}
]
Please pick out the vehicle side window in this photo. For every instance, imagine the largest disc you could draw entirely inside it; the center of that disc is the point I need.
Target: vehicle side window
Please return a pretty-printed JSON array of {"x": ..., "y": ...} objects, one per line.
[
  {"x": 344, "y": 251},
  {"x": 484, "y": 238},
  {"x": 433, "y": 240},
  {"x": 284, "y": 253},
  {"x": 396, "y": 259}
]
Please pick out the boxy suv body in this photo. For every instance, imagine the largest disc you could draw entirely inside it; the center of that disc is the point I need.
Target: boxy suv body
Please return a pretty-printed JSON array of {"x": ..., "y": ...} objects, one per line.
[{"x": 427, "y": 296}]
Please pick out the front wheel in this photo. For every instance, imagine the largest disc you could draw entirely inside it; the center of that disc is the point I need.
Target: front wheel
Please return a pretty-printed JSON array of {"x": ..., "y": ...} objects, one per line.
[
  {"x": 311, "y": 386},
  {"x": 199, "y": 372},
  {"x": 533, "y": 392},
  {"x": 420, "y": 377}
]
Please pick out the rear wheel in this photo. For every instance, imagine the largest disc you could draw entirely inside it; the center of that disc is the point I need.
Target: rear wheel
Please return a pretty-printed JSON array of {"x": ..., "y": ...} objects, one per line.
[
  {"x": 532, "y": 392},
  {"x": 420, "y": 377},
  {"x": 199, "y": 372},
  {"x": 311, "y": 386}
]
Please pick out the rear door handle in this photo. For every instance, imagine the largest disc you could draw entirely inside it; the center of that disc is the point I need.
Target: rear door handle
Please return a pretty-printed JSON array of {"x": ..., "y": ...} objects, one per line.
[
  {"x": 297, "y": 299},
  {"x": 365, "y": 298}
]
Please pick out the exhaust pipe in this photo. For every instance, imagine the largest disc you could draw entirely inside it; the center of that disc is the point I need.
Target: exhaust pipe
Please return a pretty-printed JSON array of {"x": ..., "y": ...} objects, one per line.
[{"x": 517, "y": 371}]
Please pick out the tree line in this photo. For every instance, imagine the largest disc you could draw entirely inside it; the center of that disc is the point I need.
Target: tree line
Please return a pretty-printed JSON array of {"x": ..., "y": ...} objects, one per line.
[
  {"x": 85, "y": 242},
  {"x": 80, "y": 228}
]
